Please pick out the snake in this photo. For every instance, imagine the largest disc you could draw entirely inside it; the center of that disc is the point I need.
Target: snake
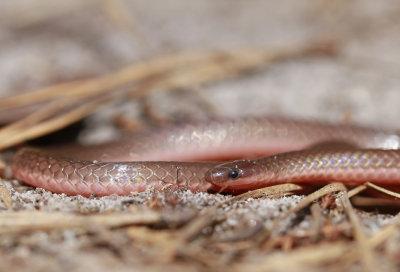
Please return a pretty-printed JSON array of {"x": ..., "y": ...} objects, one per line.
[{"x": 223, "y": 155}]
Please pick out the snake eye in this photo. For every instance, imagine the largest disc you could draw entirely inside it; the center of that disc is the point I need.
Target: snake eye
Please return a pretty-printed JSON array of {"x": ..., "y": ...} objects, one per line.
[{"x": 233, "y": 174}]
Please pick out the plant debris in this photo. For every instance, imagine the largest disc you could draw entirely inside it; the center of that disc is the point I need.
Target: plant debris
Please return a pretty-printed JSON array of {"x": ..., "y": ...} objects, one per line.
[{"x": 279, "y": 228}]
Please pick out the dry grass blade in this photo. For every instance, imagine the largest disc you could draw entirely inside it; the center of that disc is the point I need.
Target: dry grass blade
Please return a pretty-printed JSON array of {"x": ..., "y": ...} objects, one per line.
[
  {"x": 43, "y": 113},
  {"x": 36, "y": 96},
  {"x": 356, "y": 190},
  {"x": 366, "y": 252},
  {"x": 22, "y": 133},
  {"x": 25, "y": 221},
  {"x": 372, "y": 201},
  {"x": 383, "y": 190},
  {"x": 271, "y": 191}
]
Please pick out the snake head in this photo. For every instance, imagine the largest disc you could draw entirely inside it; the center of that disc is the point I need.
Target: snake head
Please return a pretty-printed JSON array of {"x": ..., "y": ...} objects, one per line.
[{"x": 233, "y": 175}]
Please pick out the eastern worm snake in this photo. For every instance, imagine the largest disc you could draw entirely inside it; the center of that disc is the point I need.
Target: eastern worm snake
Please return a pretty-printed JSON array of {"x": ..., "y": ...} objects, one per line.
[{"x": 159, "y": 159}]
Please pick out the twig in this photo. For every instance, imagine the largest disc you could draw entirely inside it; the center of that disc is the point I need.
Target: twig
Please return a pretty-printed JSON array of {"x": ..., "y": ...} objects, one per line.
[{"x": 383, "y": 190}]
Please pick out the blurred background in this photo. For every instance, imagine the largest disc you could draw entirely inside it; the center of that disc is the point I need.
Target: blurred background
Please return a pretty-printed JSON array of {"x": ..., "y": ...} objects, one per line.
[
  {"x": 132, "y": 64},
  {"x": 47, "y": 42}
]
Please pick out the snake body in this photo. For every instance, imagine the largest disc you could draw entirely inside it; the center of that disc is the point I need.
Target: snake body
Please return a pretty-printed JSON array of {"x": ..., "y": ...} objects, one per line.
[{"x": 161, "y": 158}]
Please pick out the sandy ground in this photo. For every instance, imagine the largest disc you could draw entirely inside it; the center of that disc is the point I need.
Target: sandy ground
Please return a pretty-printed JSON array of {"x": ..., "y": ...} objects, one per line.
[{"x": 43, "y": 43}]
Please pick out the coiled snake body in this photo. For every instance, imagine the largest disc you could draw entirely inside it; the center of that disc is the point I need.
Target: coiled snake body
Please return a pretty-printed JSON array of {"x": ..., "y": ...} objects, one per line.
[{"x": 161, "y": 158}]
